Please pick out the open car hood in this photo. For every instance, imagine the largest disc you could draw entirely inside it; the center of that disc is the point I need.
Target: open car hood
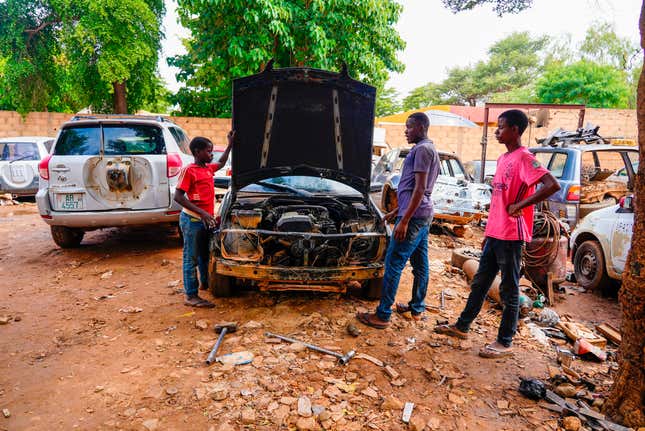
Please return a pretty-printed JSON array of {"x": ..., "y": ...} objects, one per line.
[{"x": 300, "y": 121}]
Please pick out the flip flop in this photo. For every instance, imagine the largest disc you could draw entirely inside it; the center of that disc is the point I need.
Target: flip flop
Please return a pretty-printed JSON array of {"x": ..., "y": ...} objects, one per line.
[
  {"x": 450, "y": 330},
  {"x": 406, "y": 311},
  {"x": 490, "y": 352},
  {"x": 369, "y": 320}
]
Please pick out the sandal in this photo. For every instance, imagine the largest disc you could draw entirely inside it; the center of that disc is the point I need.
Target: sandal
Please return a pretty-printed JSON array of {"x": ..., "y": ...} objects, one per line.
[
  {"x": 491, "y": 352},
  {"x": 371, "y": 319},
  {"x": 198, "y": 302},
  {"x": 451, "y": 330}
]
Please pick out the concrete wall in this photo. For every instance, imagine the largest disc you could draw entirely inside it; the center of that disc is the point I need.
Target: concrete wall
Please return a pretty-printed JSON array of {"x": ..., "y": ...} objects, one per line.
[{"x": 464, "y": 141}]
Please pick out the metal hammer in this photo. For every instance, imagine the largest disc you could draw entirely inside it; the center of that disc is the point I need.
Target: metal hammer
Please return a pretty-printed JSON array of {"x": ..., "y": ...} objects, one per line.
[
  {"x": 222, "y": 329},
  {"x": 343, "y": 359}
]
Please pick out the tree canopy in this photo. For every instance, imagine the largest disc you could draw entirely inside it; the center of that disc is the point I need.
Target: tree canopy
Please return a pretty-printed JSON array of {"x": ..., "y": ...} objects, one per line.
[
  {"x": 64, "y": 55},
  {"x": 233, "y": 38}
]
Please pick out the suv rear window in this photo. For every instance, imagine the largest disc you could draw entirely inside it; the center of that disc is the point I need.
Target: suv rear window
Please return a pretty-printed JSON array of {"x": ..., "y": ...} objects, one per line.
[
  {"x": 13, "y": 151},
  {"x": 134, "y": 139},
  {"x": 78, "y": 141},
  {"x": 118, "y": 139}
]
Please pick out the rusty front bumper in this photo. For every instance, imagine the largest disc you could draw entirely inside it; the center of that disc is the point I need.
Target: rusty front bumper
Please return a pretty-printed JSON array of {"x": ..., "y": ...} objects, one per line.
[{"x": 334, "y": 279}]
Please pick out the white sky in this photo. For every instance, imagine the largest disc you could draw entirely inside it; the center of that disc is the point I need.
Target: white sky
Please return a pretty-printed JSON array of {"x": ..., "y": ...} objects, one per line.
[{"x": 437, "y": 39}]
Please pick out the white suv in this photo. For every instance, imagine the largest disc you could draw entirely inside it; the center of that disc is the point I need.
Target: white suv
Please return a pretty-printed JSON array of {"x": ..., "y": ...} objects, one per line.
[{"x": 107, "y": 171}]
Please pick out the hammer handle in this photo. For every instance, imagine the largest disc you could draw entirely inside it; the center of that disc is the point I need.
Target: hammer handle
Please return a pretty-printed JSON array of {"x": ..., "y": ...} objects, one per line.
[
  {"x": 311, "y": 346},
  {"x": 211, "y": 356}
]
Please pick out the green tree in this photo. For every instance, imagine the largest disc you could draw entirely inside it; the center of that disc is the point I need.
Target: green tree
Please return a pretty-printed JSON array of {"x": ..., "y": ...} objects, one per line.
[
  {"x": 625, "y": 402},
  {"x": 512, "y": 63},
  {"x": 602, "y": 45},
  {"x": 597, "y": 86},
  {"x": 387, "y": 102},
  {"x": 68, "y": 54},
  {"x": 233, "y": 38},
  {"x": 426, "y": 95}
]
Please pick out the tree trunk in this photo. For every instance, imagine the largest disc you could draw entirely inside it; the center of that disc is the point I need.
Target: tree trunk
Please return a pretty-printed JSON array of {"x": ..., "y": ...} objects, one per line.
[
  {"x": 627, "y": 398},
  {"x": 120, "y": 103}
]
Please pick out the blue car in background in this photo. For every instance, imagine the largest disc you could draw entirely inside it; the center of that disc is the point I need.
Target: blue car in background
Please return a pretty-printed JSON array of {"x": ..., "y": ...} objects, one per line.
[{"x": 593, "y": 172}]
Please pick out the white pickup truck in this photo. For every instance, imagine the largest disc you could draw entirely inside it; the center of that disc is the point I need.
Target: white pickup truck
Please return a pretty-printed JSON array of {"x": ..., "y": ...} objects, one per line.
[{"x": 600, "y": 244}]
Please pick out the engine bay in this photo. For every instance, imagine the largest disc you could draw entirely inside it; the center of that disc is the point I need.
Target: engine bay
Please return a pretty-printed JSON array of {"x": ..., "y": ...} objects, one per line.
[{"x": 318, "y": 232}]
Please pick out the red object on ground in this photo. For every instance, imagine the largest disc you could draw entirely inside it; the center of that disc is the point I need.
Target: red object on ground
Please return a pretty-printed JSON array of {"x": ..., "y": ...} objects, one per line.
[{"x": 582, "y": 347}]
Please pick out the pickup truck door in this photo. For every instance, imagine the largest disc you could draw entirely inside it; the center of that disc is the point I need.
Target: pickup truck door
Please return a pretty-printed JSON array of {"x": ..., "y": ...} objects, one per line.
[{"x": 621, "y": 239}]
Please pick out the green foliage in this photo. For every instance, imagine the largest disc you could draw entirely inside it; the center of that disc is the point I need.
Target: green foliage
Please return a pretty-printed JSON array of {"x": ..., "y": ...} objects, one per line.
[
  {"x": 500, "y": 7},
  {"x": 597, "y": 86},
  {"x": 387, "y": 102},
  {"x": 234, "y": 38},
  {"x": 63, "y": 55},
  {"x": 513, "y": 63},
  {"x": 602, "y": 45}
]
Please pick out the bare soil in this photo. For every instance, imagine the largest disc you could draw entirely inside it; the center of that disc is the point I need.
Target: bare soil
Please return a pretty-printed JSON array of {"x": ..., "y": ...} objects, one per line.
[{"x": 72, "y": 357}]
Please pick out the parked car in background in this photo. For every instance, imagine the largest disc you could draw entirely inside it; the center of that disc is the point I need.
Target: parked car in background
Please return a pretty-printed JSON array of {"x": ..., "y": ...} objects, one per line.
[
  {"x": 600, "y": 244},
  {"x": 456, "y": 197},
  {"x": 474, "y": 169},
  {"x": 107, "y": 171},
  {"x": 584, "y": 164},
  {"x": 298, "y": 215},
  {"x": 19, "y": 158}
]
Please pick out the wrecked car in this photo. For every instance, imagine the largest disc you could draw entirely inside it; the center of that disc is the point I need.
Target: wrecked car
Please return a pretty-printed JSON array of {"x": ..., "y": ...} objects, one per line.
[
  {"x": 298, "y": 215},
  {"x": 600, "y": 244},
  {"x": 585, "y": 164},
  {"x": 456, "y": 197}
]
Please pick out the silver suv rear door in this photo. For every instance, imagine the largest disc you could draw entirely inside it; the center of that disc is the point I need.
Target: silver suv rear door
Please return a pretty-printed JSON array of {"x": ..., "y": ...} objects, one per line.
[{"x": 105, "y": 166}]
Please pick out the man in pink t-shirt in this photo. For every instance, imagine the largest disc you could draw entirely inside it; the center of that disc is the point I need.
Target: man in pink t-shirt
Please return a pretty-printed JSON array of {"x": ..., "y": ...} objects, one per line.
[{"x": 510, "y": 225}]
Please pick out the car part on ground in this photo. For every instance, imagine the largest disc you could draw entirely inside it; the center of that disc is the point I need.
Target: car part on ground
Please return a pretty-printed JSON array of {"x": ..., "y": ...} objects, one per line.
[
  {"x": 19, "y": 159},
  {"x": 107, "y": 171},
  {"x": 298, "y": 217}
]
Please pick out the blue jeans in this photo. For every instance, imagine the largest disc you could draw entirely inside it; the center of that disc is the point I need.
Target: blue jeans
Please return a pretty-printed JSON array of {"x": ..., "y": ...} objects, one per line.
[
  {"x": 196, "y": 253},
  {"x": 504, "y": 256},
  {"x": 415, "y": 248}
]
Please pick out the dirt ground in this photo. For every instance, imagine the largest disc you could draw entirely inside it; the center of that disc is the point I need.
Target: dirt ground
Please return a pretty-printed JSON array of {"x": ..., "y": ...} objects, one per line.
[{"x": 73, "y": 357}]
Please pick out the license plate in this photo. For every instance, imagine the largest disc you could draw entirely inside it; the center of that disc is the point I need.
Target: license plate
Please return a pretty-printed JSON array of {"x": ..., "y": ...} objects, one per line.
[
  {"x": 70, "y": 201},
  {"x": 17, "y": 172}
]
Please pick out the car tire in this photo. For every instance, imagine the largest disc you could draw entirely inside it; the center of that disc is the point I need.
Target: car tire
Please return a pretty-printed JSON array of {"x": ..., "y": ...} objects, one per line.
[
  {"x": 589, "y": 266},
  {"x": 67, "y": 237},
  {"x": 585, "y": 209},
  {"x": 221, "y": 286},
  {"x": 372, "y": 289}
]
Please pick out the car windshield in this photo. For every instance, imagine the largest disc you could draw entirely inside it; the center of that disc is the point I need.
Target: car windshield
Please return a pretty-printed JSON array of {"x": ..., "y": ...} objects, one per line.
[
  {"x": 117, "y": 140},
  {"x": 12, "y": 151},
  {"x": 306, "y": 184}
]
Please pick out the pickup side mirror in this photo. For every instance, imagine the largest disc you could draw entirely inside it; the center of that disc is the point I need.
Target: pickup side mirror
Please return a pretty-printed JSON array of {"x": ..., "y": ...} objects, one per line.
[{"x": 626, "y": 204}]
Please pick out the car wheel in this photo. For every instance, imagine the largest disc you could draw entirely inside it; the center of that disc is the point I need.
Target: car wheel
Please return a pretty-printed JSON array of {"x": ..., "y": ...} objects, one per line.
[
  {"x": 589, "y": 266},
  {"x": 372, "y": 289},
  {"x": 67, "y": 237},
  {"x": 222, "y": 286}
]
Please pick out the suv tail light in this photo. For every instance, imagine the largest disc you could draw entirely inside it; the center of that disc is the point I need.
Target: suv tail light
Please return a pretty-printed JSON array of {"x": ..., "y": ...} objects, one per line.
[
  {"x": 229, "y": 172},
  {"x": 43, "y": 167},
  {"x": 174, "y": 164},
  {"x": 574, "y": 193}
]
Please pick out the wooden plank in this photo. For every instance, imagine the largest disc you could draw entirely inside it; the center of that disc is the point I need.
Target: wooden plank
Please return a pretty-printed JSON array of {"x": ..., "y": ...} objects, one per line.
[
  {"x": 575, "y": 331},
  {"x": 610, "y": 332}
]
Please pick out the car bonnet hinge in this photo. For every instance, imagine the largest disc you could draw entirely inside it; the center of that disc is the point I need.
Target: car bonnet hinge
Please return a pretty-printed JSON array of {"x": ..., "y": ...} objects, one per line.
[
  {"x": 267, "y": 127},
  {"x": 337, "y": 135}
]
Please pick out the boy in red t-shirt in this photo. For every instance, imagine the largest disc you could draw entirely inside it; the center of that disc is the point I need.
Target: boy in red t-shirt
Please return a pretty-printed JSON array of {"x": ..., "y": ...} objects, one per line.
[
  {"x": 510, "y": 226},
  {"x": 196, "y": 194}
]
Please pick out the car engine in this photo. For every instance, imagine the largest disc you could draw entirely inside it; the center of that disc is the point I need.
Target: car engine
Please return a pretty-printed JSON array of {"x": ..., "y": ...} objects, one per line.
[{"x": 292, "y": 232}]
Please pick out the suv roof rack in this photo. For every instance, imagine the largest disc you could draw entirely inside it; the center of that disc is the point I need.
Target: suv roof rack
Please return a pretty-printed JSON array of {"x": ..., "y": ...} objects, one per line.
[
  {"x": 584, "y": 135},
  {"x": 159, "y": 118}
]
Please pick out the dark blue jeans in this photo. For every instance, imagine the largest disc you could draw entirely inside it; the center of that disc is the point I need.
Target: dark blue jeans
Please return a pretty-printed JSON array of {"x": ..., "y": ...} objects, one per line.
[
  {"x": 504, "y": 256},
  {"x": 196, "y": 253},
  {"x": 414, "y": 248}
]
